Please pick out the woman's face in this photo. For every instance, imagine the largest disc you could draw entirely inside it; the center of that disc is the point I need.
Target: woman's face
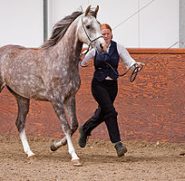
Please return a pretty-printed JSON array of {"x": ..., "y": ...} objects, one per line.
[{"x": 107, "y": 34}]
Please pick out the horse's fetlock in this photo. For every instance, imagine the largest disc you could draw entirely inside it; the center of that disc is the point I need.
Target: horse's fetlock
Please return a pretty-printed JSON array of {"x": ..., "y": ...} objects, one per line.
[{"x": 53, "y": 147}]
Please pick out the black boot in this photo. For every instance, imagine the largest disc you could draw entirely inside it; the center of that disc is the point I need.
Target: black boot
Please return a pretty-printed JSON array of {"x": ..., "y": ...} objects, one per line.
[
  {"x": 83, "y": 138},
  {"x": 120, "y": 149},
  {"x": 90, "y": 124}
]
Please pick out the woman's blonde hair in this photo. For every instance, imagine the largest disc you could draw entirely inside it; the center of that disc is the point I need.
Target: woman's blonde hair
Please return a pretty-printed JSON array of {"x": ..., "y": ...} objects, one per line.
[{"x": 105, "y": 26}]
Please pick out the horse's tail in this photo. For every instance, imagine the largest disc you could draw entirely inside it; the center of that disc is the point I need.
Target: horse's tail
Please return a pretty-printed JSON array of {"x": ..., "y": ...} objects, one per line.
[{"x": 3, "y": 51}]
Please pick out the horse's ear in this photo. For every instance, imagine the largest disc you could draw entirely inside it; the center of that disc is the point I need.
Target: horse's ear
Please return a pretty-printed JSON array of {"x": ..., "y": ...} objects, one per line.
[
  {"x": 87, "y": 10},
  {"x": 96, "y": 11}
]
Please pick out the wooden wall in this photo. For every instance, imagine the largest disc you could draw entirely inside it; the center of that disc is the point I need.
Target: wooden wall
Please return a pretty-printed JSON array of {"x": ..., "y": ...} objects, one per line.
[{"x": 152, "y": 108}]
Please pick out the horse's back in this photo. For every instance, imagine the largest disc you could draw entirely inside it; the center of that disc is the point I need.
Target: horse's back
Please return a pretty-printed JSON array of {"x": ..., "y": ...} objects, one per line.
[
  {"x": 5, "y": 48},
  {"x": 7, "y": 53},
  {"x": 10, "y": 51},
  {"x": 20, "y": 71}
]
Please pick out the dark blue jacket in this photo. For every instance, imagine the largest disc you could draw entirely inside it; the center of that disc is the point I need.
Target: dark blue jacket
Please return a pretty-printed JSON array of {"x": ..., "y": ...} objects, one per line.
[{"x": 102, "y": 69}]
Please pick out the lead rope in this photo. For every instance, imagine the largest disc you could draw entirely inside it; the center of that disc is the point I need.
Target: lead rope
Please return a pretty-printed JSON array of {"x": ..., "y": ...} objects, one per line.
[{"x": 136, "y": 68}]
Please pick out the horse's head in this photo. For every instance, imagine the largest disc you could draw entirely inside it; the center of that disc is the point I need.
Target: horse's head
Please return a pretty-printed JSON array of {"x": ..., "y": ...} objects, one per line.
[{"x": 89, "y": 30}]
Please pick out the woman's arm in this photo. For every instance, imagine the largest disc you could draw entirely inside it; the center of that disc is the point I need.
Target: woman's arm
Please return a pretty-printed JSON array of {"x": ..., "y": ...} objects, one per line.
[
  {"x": 125, "y": 56},
  {"x": 87, "y": 58},
  {"x": 127, "y": 59}
]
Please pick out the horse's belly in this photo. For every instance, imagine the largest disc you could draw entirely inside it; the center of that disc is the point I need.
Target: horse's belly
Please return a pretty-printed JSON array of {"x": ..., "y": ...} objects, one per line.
[{"x": 31, "y": 87}]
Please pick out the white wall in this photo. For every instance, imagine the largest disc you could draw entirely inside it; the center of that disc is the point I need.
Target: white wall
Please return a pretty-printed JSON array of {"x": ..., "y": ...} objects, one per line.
[
  {"x": 157, "y": 25},
  {"x": 21, "y": 22}
]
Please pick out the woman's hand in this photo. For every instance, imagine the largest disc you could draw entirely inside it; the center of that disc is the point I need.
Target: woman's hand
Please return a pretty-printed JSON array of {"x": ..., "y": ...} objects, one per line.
[
  {"x": 82, "y": 65},
  {"x": 138, "y": 65}
]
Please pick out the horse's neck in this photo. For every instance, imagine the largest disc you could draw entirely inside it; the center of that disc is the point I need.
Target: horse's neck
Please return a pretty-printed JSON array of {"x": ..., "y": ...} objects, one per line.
[{"x": 70, "y": 44}]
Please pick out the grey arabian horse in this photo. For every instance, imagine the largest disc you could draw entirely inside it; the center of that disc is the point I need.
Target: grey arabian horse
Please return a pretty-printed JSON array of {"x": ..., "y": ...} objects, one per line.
[{"x": 51, "y": 73}]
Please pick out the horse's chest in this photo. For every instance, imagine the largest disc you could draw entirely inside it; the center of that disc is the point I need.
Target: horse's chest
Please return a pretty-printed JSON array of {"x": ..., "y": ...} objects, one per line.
[{"x": 65, "y": 85}]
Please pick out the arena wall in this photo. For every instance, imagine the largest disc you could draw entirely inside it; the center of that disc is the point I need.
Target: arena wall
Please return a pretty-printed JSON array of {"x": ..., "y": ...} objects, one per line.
[{"x": 151, "y": 109}]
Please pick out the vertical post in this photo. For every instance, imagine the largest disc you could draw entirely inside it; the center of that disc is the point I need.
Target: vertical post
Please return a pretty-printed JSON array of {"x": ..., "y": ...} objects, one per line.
[
  {"x": 181, "y": 23},
  {"x": 45, "y": 20}
]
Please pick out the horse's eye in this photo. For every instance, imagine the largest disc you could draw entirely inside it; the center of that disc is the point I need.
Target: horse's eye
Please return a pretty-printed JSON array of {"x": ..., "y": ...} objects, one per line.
[{"x": 88, "y": 26}]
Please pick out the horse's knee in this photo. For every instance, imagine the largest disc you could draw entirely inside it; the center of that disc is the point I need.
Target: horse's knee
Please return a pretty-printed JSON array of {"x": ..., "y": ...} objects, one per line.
[{"x": 74, "y": 127}]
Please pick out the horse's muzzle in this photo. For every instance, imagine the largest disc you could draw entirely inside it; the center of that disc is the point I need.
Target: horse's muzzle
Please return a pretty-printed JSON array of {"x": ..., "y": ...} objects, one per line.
[{"x": 103, "y": 47}]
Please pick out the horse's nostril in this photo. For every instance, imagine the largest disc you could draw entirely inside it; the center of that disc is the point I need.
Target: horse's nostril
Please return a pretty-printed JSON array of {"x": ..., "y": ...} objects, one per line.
[{"x": 101, "y": 46}]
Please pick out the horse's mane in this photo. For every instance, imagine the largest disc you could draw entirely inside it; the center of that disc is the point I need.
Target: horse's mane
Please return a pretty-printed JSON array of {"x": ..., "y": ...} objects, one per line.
[{"x": 60, "y": 28}]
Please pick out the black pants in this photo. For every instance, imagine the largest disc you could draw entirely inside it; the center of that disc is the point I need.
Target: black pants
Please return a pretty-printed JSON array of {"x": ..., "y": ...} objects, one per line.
[{"x": 104, "y": 93}]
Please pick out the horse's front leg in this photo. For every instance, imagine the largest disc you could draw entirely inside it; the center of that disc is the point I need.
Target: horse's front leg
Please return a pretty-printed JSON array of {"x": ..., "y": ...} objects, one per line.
[
  {"x": 60, "y": 111},
  {"x": 71, "y": 111},
  {"x": 70, "y": 108}
]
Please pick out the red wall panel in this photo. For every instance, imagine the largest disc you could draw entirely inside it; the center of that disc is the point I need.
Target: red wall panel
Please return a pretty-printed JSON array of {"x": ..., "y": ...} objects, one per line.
[{"x": 152, "y": 108}]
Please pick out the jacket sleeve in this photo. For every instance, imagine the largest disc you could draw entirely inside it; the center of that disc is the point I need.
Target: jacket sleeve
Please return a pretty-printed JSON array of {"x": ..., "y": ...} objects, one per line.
[
  {"x": 125, "y": 56},
  {"x": 88, "y": 57}
]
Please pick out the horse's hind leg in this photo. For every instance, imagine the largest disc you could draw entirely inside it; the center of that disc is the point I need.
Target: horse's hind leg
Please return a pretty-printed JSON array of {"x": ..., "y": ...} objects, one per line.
[
  {"x": 71, "y": 111},
  {"x": 23, "y": 108}
]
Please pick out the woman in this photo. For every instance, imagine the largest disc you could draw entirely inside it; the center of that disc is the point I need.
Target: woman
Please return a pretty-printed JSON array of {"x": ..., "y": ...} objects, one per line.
[{"x": 105, "y": 88}]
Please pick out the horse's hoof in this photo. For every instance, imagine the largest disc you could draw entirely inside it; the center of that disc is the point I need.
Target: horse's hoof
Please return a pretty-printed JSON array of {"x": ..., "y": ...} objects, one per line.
[
  {"x": 53, "y": 147},
  {"x": 76, "y": 163},
  {"x": 30, "y": 155},
  {"x": 182, "y": 154}
]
